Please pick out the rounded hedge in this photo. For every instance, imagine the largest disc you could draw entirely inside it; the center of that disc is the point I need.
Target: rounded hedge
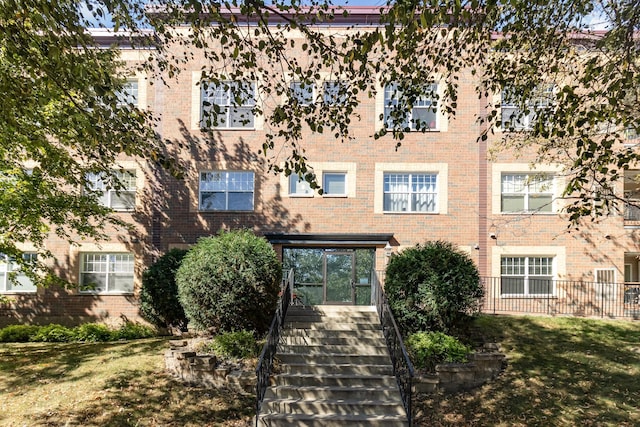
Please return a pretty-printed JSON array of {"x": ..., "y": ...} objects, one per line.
[
  {"x": 230, "y": 282},
  {"x": 432, "y": 287},
  {"x": 159, "y": 302}
]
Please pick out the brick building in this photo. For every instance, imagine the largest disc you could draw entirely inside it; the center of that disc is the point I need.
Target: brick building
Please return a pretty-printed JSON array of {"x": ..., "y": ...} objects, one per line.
[{"x": 439, "y": 185}]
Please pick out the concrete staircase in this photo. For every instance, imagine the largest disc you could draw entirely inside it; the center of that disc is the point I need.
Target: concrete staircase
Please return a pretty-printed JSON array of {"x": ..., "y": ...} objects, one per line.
[{"x": 332, "y": 369}]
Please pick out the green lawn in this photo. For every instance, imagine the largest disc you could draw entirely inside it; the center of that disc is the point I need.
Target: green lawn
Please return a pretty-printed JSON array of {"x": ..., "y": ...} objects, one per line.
[
  {"x": 106, "y": 384},
  {"x": 561, "y": 372}
]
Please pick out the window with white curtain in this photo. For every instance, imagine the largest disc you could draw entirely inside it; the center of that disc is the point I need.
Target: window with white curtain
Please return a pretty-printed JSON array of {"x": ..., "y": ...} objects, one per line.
[
  {"x": 20, "y": 282},
  {"x": 526, "y": 275},
  {"x": 422, "y": 112},
  {"x": 117, "y": 191},
  {"x": 107, "y": 272},
  {"x": 527, "y": 193},
  {"x": 410, "y": 192}
]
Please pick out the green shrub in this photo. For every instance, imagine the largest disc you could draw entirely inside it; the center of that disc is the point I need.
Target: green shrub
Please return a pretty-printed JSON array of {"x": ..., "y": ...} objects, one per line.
[
  {"x": 53, "y": 333},
  {"x": 92, "y": 332},
  {"x": 133, "y": 331},
  {"x": 235, "y": 345},
  {"x": 432, "y": 287},
  {"x": 230, "y": 283},
  {"x": 159, "y": 302},
  {"x": 18, "y": 333},
  {"x": 427, "y": 349}
]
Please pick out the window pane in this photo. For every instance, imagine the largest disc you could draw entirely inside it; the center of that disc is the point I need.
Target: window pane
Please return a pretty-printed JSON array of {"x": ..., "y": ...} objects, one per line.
[
  {"x": 423, "y": 118},
  {"x": 512, "y": 285},
  {"x": 129, "y": 93},
  {"x": 335, "y": 92},
  {"x": 396, "y": 202},
  {"x": 334, "y": 183},
  {"x": 301, "y": 92},
  {"x": 93, "y": 282},
  {"x": 514, "y": 183},
  {"x": 213, "y": 201},
  {"x": 298, "y": 186},
  {"x": 240, "y": 201},
  {"x": 307, "y": 265},
  {"x": 512, "y": 203},
  {"x": 126, "y": 200},
  {"x": 540, "y": 202},
  {"x": 121, "y": 282},
  {"x": 541, "y": 286}
]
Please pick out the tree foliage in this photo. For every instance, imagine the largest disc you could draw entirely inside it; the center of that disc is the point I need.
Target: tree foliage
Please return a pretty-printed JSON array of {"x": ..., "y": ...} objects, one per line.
[
  {"x": 434, "y": 287},
  {"x": 230, "y": 282}
]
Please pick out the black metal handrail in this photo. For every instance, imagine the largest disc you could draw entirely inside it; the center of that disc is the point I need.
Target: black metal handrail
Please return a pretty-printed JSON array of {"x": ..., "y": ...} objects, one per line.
[
  {"x": 402, "y": 366},
  {"x": 265, "y": 362}
]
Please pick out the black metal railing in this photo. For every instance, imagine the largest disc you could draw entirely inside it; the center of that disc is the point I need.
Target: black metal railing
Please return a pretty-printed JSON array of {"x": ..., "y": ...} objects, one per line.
[
  {"x": 562, "y": 297},
  {"x": 402, "y": 366},
  {"x": 265, "y": 362}
]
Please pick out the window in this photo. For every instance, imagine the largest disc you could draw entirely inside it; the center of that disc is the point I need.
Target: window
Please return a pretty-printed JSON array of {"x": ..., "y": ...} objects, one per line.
[
  {"x": 20, "y": 282},
  {"x": 298, "y": 186},
  {"x": 334, "y": 184},
  {"x": 515, "y": 116},
  {"x": 226, "y": 191},
  {"x": 423, "y": 114},
  {"x": 335, "y": 92},
  {"x": 228, "y": 105},
  {"x": 526, "y": 276},
  {"x": 410, "y": 192},
  {"x": 129, "y": 93},
  {"x": 302, "y": 93},
  {"x": 117, "y": 191},
  {"x": 527, "y": 193},
  {"x": 100, "y": 272}
]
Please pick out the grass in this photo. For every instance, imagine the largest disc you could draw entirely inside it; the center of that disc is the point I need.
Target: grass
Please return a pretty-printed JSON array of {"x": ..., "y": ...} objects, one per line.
[
  {"x": 106, "y": 384},
  {"x": 561, "y": 372}
]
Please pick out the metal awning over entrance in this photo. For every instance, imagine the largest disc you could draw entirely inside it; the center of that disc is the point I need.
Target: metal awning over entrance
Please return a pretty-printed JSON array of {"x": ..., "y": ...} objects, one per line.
[{"x": 328, "y": 239}]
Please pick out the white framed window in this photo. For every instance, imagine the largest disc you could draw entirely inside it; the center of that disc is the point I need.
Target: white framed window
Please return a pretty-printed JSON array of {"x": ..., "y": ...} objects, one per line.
[
  {"x": 106, "y": 272},
  {"x": 334, "y": 184},
  {"x": 423, "y": 114},
  {"x": 410, "y": 192},
  {"x": 334, "y": 92},
  {"x": 516, "y": 116},
  {"x": 526, "y": 192},
  {"x": 129, "y": 93},
  {"x": 526, "y": 276},
  {"x": 20, "y": 283},
  {"x": 228, "y": 105},
  {"x": 298, "y": 186},
  {"x": 117, "y": 191},
  {"x": 226, "y": 191},
  {"x": 302, "y": 93}
]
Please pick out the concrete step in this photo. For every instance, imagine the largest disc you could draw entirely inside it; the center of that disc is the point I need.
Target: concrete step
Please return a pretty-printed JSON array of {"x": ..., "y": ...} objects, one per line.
[
  {"x": 338, "y": 359},
  {"x": 389, "y": 394},
  {"x": 333, "y": 325},
  {"x": 333, "y": 420},
  {"x": 334, "y": 369},
  {"x": 325, "y": 333},
  {"x": 343, "y": 407},
  {"x": 376, "y": 340},
  {"x": 336, "y": 380},
  {"x": 335, "y": 349},
  {"x": 318, "y": 317}
]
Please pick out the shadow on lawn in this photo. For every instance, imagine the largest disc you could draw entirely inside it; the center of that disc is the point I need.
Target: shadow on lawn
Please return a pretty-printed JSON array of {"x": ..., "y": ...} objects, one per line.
[
  {"x": 561, "y": 372},
  {"x": 122, "y": 394}
]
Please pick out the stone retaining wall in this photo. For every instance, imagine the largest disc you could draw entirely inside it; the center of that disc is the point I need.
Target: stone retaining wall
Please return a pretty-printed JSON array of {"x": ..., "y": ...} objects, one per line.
[
  {"x": 454, "y": 377},
  {"x": 184, "y": 364}
]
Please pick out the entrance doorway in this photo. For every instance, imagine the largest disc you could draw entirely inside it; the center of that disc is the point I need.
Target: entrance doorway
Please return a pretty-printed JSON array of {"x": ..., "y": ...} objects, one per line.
[{"x": 332, "y": 275}]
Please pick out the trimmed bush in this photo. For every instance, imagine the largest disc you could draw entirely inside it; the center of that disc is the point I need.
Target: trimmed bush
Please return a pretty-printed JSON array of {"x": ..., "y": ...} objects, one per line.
[
  {"x": 133, "y": 331},
  {"x": 92, "y": 332},
  {"x": 234, "y": 345},
  {"x": 53, "y": 333},
  {"x": 18, "y": 333},
  {"x": 427, "y": 349},
  {"x": 432, "y": 287},
  {"x": 230, "y": 282},
  {"x": 159, "y": 302}
]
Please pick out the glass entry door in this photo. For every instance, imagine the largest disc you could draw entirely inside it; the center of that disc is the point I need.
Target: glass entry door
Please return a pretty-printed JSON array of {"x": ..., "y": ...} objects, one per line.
[
  {"x": 332, "y": 275},
  {"x": 339, "y": 288}
]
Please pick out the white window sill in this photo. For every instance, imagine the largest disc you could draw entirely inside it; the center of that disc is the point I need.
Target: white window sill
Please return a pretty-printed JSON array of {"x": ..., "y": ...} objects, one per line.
[
  {"x": 335, "y": 196},
  {"x": 115, "y": 293},
  {"x": 301, "y": 196},
  {"x": 15, "y": 292},
  {"x": 529, "y": 213},
  {"x": 223, "y": 210},
  {"x": 409, "y": 213},
  {"x": 528, "y": 296}
]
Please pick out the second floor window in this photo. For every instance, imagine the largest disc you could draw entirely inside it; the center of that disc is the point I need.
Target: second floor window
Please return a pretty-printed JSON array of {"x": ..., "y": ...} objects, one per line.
[
  {"x": 298, "y": 186},
  {"x": 335, "y": 92},
  {"x": 302, "y": 93},
  {"x": 228, "y": 105},
  {"x": 410, "y": 192},
  {"x": 226, "y": 191},
  {"x": 118, "y": 191},
  {"x": 517, "y": 115},
  {"x": 527, "y": 193},
  {"x": 129, "y": 93},
  {"x": 422, "y": 112},
  {"x": 334, "y": 183}
]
